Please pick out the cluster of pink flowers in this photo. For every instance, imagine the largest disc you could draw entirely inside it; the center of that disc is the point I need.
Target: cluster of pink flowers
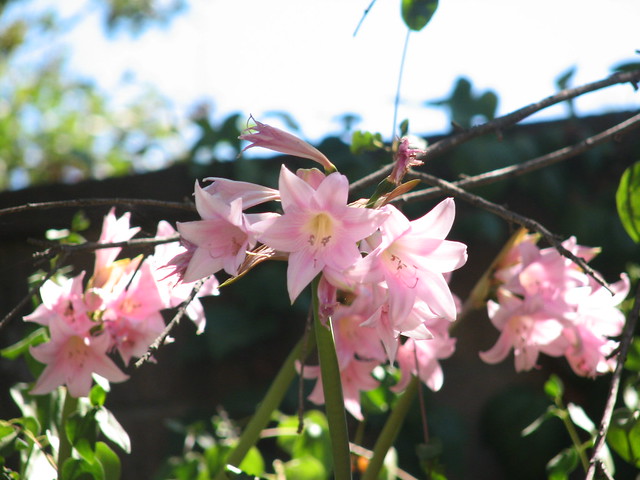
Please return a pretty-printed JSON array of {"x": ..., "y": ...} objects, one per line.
[
  {"x": 118, "y": 309},
  {"x": 545, "y": 303},
  {"x": 392, "y": 269}
]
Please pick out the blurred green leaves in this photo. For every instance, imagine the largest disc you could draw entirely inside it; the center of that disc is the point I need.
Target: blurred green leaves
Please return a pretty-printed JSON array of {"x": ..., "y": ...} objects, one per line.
[
  {"x": 417, "y": 13},
  {"x": 628, "y": 201}
]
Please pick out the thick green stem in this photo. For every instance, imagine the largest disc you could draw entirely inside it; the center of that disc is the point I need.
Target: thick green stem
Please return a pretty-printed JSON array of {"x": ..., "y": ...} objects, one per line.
[
  {"x": 333, "y": 398},
  {"x": 390, "y": 430},
  {"x": 64, "y": 450},
  {"x": 269, "y": 404}
]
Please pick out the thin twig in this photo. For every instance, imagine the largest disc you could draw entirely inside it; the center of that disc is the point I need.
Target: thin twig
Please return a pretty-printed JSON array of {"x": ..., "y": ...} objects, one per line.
[
  {"x": 505, "y": 121},
  {"x": 75, "y": 247},
  {"x": 158, "y": 342},
  {"x": 34, "y": 290},
  {"x": 396, "y": 102},
  {"x": 96, "y": 202},
  {"x": 530, "y": 165},
  {"x": 625, "y": 342},
  {"x": 510, "y": 216},
  {"x": 364, "y": 15}
]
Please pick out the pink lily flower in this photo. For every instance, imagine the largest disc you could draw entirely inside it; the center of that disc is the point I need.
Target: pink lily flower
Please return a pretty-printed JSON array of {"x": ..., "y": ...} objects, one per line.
[
  {"x": 318, "y": 229},
  {"x": 132, "y": 317},
  {"x": 114, "y": 230},
  {"x": 230, "y": 190},
  {"x": 72, "y": 356},
  {"x": 405, "y": 157},
  {"x": 221, "y": 238},
  {"x": 266, "y": 136}
]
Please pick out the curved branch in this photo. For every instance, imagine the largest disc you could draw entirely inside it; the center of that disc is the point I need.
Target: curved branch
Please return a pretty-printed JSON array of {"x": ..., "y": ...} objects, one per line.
[
  {"x": 510, "y": 216},
  {"x": 96, "y": 202},
  {"x": 510, "y": 119},
  {"x": 530, "y": 165}
]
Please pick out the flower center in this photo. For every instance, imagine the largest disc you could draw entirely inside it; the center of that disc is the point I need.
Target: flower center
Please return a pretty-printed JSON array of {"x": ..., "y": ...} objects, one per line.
[{"x": 320, "y": 229}]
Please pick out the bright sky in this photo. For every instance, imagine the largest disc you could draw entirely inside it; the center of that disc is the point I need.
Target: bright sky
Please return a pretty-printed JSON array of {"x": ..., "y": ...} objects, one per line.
[{"x": 254, "y": 56}]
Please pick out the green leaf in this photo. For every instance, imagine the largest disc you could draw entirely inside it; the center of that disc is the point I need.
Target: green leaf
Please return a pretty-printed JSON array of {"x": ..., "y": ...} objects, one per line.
[
  {"x": 305, "y": 468},
  {"x": 80, "y": 222},
  {"x": 80, "y": 469},
  {"x": 580, "y": 418},
  {"x": 20, "y": 348},
  {"x": 404, "y": 127},
  {"x": 633, "y": 356},
  {"x": 109, "y": 461},
  {"x": 628, "y": 201},
  {"x": 81, "y": 431},
  {"x": 362, "y": 141},
  {"x": 554, "y": 387},
  {"x": 417, "y": 13},
  {"x": 624, "y": 435},
  {"x": 97, "y": 396},
  {"x": 560, "y": 466},
  {"x": 112, "y": 429}
]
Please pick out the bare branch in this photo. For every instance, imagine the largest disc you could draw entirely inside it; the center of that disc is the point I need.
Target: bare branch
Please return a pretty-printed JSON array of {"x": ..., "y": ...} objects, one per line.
[
  {"x": 510, "y": 216},
  {"x": 69, "y": 248},
  {"x": 174, "y": 321},
  {"x": 627, "y": 336},
  {"x": 96, "y": 202},
  {"x": 533, "y": 164},
  {"x": 505, "y": 121}
]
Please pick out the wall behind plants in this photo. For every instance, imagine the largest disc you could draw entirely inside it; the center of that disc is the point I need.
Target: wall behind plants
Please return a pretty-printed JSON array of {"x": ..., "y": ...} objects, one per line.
[{"x": 250, "y": 328}]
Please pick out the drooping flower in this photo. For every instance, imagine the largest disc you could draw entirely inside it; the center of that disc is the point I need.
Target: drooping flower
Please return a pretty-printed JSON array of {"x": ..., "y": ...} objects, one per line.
[
  {"x": 266, "y": 136},
  {"x": 114, "y": 230},
  {"x": 132, "y": 317},
  {"x": 406, "y": 157},
  {"x": 412, "y": 258},
  {"x": 221, "y": 238},
  {"x": 318, "y": 229},
  {"x": 72, "y": 356},
  {"x": 546, "y": 304}
]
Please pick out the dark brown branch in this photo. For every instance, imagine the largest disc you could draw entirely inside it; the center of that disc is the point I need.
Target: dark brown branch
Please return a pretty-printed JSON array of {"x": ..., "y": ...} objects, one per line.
[
  {"x": 627, "y": 337},
  {"x": 69, "y": 248},
  {"x": 533, "y": 164},
  {"x": 96, "y": 202},
  {"x": 174, "y": 321},
  {"x": 505, "y": 121},
  {"x": 510, "y": 216},
  {"x": 34, "y": 290}
]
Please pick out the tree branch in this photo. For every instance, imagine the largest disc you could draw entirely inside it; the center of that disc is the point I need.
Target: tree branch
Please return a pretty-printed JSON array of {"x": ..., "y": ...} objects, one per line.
[
  {"x": 500, "y": 123},
  {"x": 174, "y": 321},
  {"x": 530, "y": 165},
  {"x": 627, "y": 337},
  {"x": 96, "y": 202},
  {"x": 510, "y": 216}
]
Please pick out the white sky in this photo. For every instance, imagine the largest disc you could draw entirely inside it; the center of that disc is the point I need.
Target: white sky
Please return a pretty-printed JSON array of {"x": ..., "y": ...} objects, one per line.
[{"x": 298, "y": 56}]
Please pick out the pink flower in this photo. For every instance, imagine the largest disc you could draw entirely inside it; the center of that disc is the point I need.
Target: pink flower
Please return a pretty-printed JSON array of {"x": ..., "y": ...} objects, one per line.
[
  {"x": 266, "y": 136},
  {"x": 132, "y": 317},
  {"x": 172, "y": 290},
  {"x": 411, "y": 258},
  {"x": 61, "y": 302},
  {"x": 221, "y": 238},
  {"x": 404, "y": 158},
  {"x": 355, "y": 376},
  {"x": 545, "y": 303},
  {"x": 318, "y": 229},
  {"x": 421, "y": 357},
  {"x": 230, "y": 190},
  {"x": 114, "y": 230},
  {"x": 526, "y": 327},
  {"x": 72, "y": 356}
]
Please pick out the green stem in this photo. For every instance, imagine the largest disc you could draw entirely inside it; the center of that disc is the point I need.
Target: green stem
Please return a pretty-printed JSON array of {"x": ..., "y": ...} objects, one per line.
[
  {"x": 575, "y": 439},
  {"x": 332, "y": 388},
  {"x": 64, "y": 450},
  {"x": 390, "y": 430},
  {"x": 269, "y": 404}
]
